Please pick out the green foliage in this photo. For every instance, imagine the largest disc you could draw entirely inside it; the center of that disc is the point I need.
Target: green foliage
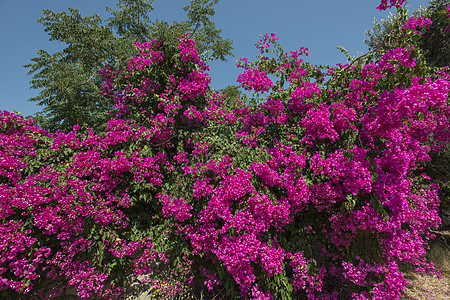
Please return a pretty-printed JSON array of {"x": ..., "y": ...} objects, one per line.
[
  {"x": 131, "y": 20},
  {"x": 231, "y": 92},
  {"x": 70, "y": 86},
  {"x": 68, "y": 79},
  {"x": 439, "y": 170},
  {"x": 434, "y": 41},
  {"x": 204, "y": 31},
  {"x": 378, "y": 34}
]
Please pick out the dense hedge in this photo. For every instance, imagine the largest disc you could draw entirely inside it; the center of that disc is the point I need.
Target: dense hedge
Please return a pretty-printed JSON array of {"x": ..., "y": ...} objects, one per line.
[{"x": 312, "y": 188}]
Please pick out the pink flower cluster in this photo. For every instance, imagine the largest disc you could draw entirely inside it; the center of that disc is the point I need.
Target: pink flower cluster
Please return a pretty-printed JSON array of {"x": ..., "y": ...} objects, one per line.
[
  {"x": 384, "y": 4},
  {"x": 414, "y": 24},
  {"x": 61, "y": 198},
  {"x": 188, "y": 51},
  {"x": 253, "y": 79},
  {"x": 266, "y": 41}
]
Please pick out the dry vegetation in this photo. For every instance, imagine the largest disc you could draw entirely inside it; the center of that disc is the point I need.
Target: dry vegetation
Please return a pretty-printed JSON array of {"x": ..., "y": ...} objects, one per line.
[{"x": 429, "y": 286}]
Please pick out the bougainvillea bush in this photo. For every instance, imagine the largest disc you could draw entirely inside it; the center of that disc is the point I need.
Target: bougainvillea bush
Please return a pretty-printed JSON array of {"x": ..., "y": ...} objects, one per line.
[{"x": 311, "y": 188}]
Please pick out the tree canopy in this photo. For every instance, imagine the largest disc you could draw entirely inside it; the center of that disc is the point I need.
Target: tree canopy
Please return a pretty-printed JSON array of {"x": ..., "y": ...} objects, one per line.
[
  {"x": 434, "y": 40},
  {"x": 68, "y": 79}
]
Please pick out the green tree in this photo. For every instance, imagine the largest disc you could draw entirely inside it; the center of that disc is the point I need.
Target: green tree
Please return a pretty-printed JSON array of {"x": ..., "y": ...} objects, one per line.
[
  {"x": 232, "y": 92},
  {"x": 68, "y": 79},
  {"x": 434, "y": 41}
]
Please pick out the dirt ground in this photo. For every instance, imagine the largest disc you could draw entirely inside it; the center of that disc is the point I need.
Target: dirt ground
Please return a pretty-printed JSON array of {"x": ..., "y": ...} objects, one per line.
[{"x": 429, "y": 286}]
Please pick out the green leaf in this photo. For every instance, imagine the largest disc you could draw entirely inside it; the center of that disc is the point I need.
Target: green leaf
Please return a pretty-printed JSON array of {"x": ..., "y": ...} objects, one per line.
[{"x": 378, "y": 206}]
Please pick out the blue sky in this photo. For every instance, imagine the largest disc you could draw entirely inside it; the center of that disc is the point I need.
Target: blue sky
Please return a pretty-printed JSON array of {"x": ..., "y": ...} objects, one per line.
[{"x": 320, "y": 26}]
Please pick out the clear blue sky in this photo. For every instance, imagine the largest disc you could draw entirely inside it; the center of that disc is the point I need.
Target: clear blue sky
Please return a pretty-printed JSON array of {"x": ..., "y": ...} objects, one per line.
[{"x": 318, "y": 25}]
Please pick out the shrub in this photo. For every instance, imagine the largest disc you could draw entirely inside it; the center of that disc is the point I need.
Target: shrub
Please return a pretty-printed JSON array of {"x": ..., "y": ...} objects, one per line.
[{"x": 312, "y": 188}]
